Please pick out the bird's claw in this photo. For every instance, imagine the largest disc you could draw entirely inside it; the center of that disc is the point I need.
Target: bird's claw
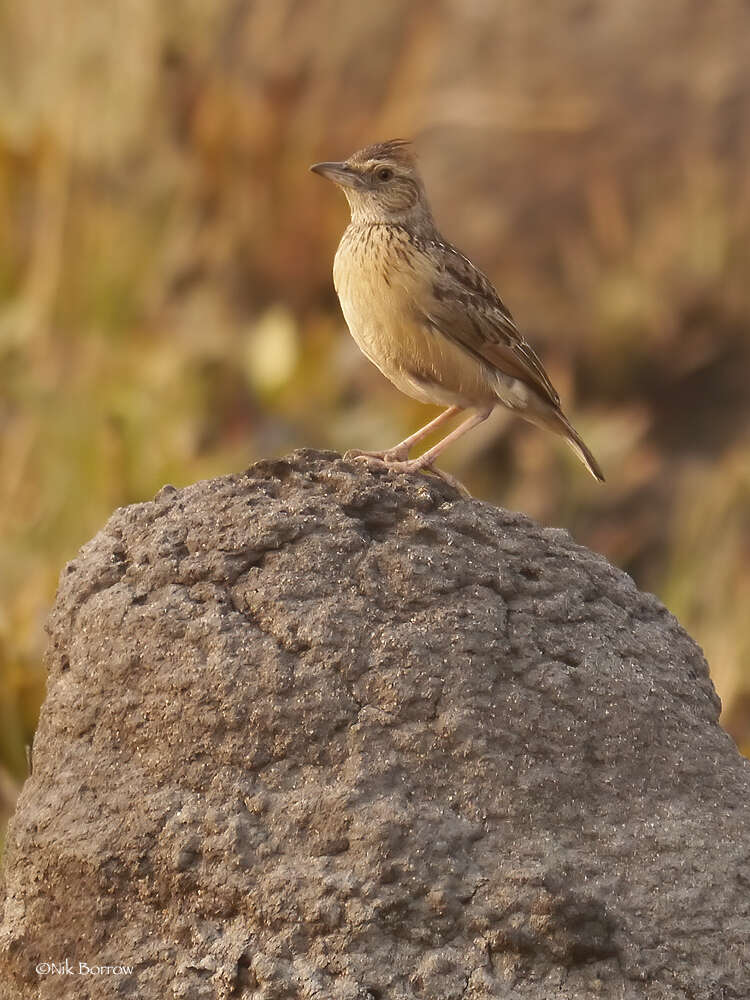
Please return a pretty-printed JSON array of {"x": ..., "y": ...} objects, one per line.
[
  {"x": 417, "y": 465},
  {"x": 385, "y": 457},
  {"x": 396, "y": 460},
  {"x": 369, "y": 458},
  {"x": 457, "y": 485}
]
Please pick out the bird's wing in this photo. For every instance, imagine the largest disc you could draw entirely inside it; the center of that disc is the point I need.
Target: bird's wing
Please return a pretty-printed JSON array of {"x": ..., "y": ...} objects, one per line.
[{"x": 463, "y": 306}]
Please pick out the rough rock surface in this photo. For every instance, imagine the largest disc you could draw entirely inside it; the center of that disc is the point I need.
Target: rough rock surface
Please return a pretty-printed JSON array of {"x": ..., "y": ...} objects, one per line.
[{"x": 321, "y": 732}]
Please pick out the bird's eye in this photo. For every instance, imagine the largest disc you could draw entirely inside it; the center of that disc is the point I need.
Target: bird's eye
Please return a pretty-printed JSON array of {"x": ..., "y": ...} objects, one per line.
[{"x": 385, "y": 174}]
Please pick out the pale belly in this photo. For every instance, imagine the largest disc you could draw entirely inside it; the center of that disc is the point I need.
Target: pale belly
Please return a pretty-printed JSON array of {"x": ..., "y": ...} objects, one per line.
[{"x": 382, "y": 319}]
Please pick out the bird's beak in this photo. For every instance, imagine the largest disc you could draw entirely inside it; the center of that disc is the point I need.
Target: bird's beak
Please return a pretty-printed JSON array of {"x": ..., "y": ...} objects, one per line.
[{"x": 339, "y": 173}]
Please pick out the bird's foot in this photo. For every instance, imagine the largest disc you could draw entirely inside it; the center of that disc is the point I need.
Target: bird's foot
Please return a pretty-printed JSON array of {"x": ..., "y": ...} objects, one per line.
[
  {"x": 397, "y": 454},
  {"x": 398, "y": 460},
  {"x": 417, "y": 465}
]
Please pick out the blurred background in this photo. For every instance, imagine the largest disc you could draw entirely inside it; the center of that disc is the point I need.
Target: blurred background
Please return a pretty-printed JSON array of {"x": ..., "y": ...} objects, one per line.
[{"x": 166, "y": 304}]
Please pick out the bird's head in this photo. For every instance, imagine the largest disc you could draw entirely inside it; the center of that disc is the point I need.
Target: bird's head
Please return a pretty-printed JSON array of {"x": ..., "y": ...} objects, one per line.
[{"x": 381, "y": 184}]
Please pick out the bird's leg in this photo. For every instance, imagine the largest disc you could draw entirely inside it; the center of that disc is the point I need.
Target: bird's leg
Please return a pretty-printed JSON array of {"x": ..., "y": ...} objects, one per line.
[
  {"x": 400, "y": 451},
  {"x": 426, "y": 460}
]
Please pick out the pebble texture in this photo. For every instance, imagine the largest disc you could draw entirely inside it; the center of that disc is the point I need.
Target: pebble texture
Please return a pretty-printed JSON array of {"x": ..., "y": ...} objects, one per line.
[{"x": 322, "y": 732}]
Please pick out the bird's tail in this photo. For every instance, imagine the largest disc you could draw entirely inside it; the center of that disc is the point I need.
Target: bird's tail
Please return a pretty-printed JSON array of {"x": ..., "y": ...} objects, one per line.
[{"x": 556, "y": 421}]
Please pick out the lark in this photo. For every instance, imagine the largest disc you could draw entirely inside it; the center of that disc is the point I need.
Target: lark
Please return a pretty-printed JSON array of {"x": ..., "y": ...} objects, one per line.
[{"x": 426, "y": 316}]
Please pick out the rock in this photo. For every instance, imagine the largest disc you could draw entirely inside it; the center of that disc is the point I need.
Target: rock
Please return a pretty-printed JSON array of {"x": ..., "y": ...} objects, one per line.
[{"x": 319, "y": 731}]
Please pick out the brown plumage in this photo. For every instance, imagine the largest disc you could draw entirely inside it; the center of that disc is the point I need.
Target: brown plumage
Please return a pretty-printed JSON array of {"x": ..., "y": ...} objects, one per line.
[{"x": 425, "y": 315}]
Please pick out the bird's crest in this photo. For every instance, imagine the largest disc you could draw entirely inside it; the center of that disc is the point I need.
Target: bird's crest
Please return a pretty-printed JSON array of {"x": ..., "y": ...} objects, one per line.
[{"x": 394, "y": 149}]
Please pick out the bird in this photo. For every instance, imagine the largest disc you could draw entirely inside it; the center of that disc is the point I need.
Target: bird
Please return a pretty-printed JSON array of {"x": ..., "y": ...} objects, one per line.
[{"x": 429, "y": 319}]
